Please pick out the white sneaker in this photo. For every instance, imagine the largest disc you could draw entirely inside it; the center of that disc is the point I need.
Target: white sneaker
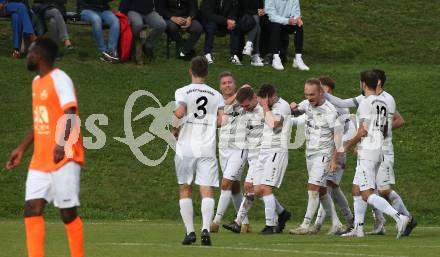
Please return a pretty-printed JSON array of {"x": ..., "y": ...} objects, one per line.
[
  {"x": 315, "y": 229},
  {"x": 401, "y": 225},
  {"x": 256, "y": 60},
  {"x": 299, "y": 64},
  {"x": 235, "y": 60},
  {"x": 209, "y": 58},
  {"x": 301, "y": 230},
  {"x": 276, "y": 62},
  {"x": 336, "y": 230},
  {"x": 355, "y": 232},
  {"x": 248, "y": 48}
]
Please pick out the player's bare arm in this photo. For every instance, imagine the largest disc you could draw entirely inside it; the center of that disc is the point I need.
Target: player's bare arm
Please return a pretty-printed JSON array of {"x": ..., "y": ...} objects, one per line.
[
  {"x": 59, "y": 152},
  {"x": 222, "y": 118},
  {"x": 271, "y": 120},
  {"x": 398, "y": 120},
  {"x": 17, "y": 153},
  {"x": 361, "y": 132},
  {"x": 179, "y": 113}
]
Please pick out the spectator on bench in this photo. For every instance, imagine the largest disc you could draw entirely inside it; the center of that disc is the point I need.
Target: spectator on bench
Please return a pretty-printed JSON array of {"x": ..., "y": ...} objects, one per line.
[
  {"x": 20, "y": 21},
  {"x": 97, "y": 12},
  {"x": 181, "y": 15},
  {"x": 142, "y": 12},
  {"x": 250, "y": 12},
  {"x": 52, "y": 13},
  {"x": 285, "y": 18},
  {"x": 221, "y": 15}
]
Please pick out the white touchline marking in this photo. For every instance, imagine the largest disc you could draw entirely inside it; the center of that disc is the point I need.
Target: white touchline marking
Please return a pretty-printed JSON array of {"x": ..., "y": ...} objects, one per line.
[
  {"x": 362, "y": 245},
  {"x": 257, "y": 249}
]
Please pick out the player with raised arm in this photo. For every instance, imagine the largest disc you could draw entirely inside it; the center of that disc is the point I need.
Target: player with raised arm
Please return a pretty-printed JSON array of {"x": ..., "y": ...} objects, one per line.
[
  {"x": 232, "y": 152},
  {"x": 373, "y": 121},
  {"x": 254, "y": 119},
  {"x": 199, "y": 110},
  {"x": 334, "y": 178},
  {"x": 385, "y": 176},
  {"x": 322, "y": 131},
  {"x": 54, "y": 171}
]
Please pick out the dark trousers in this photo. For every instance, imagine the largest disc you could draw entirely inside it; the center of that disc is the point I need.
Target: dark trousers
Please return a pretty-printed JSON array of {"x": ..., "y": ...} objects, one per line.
[
  {"x": 211, "y": 28},
  {"x": 195, "y": 31},
  {"x": 279, "y": 38}
]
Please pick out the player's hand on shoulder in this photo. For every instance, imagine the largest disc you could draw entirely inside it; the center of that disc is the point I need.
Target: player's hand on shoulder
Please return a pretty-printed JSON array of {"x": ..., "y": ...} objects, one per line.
[
  {"x": 58, "y": 154},
  {"x": 14, "y": 158},
  {"x": 294, "y": 106}
]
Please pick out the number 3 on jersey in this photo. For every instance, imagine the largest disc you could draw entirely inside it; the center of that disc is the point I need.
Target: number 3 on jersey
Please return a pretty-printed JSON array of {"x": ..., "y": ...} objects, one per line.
[{"x": 201, "y": 104}]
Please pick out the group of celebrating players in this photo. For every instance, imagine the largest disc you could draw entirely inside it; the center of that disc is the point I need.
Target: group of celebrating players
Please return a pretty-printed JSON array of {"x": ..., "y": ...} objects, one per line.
[{"x": 255, "y": 128}]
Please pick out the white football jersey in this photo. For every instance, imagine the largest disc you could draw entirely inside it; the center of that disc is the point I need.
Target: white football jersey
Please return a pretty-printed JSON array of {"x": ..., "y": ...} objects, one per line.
[
  {"x": 320, "y": 123},
  {"x": 233, "y": 133},
  {"x": 373, "y": 111},
  {"x": 197, "y": 136},
  {"x": 389, "y": 100},
  {"x": 277, "y": 139},
  {"x": 254, "y": 126}
]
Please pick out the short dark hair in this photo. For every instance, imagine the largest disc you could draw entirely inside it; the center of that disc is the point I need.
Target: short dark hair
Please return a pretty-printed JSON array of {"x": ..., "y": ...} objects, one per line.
[
  {"x": 199, "y": 67},
  {"x": 326, "y": 80},
  {"x": 313, "y": 81},
  {"x": 47, "y": 49},
  {"x": 266, "y": 90},
  {"x": 225, "y": 74},
  {"x": 381, "y": 74},
  {"x": 370, "y": 78},
  {"x": 245, "y": 93}
]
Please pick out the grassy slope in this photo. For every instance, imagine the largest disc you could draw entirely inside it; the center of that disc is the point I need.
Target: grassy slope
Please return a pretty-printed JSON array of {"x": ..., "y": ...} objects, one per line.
[{"x": 342, "y": 38}]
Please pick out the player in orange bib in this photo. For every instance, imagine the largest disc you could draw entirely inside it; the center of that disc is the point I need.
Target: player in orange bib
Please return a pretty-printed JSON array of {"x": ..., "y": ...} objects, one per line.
[{"x": 54, "y": 171}]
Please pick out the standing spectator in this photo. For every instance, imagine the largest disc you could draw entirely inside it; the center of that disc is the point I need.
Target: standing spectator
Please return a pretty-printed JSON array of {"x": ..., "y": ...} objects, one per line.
[
  {"x": 142, "y": 12},
  {"x": 20, "y": 21},
  {"x": 221, "y": 15},
  {"x": 181, "y": 15},
  {"x": 250, "y": 12},
  {"x": 96, "y": 12},
  {"x": 285, "y": 18},
  {"x": 53, "y": 13}
]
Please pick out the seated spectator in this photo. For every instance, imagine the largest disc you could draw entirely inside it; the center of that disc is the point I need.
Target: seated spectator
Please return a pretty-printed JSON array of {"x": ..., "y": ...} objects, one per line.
[
  {"x": 181, "y": 15},
  {"x": 52, "y": 13},
  {"x": 250, "y": 12},
  {"x": 285, "y": 19},
  {"x": 140, "y": 13},
  {"x": 221, "y": 15},
  {"x": 20, "y": 21},
  {"x": 97, "y": 12}
]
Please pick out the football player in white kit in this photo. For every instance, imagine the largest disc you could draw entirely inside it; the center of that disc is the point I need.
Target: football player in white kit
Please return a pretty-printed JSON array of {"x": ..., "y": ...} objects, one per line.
[
  {"x": 322, "y": 131},
  {"x": 254, "y": 118},
  {"x": 232, "y": 152},
  {"x": 273, "y": 156},
  {"x": 334, "y": 178},
  {"x": 199, "y": 110},
  {"x": 373, "y": 121},
  {"x": 385, "y": 176}
]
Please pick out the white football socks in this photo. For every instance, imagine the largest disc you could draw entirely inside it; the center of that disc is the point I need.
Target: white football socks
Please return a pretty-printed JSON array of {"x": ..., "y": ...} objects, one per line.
[
  {"x": 312, "y": 206},
  {"x": 360, "y": 207},
  {"x": 245, "y": 206},
  {"x": 207, "y": 212},
  {"x": 237, "y": 199},
  {"x": 397, "y": 203},
  {"x": 186, "y": 211},
  {"x": 329, "y": 207},
  {"x": 223, "y": 202},
  {"x": 320, "y": 216},
  {"x": 340, "y": 199},
  {"x": 382, "y": 204},
  {"x": 269, "y": 209}
]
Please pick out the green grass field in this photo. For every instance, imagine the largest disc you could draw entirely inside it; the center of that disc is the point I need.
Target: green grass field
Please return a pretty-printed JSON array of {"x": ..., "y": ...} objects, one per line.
[
  {"x": 162, "y": 238},
  {"x": 342, "y": 38}
]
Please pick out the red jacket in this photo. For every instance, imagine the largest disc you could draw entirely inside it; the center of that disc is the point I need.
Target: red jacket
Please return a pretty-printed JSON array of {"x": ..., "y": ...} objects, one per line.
[{"x": 125, "y": 37}]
